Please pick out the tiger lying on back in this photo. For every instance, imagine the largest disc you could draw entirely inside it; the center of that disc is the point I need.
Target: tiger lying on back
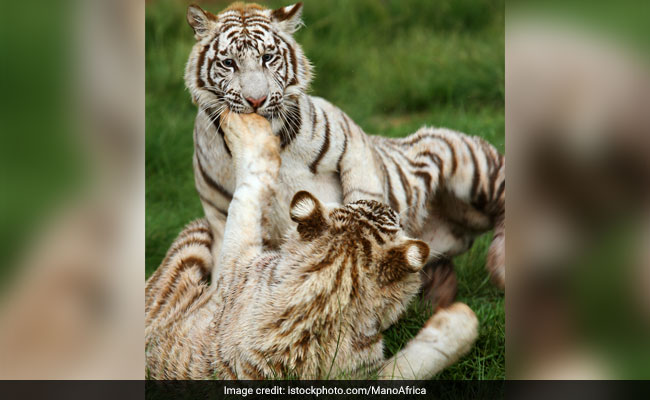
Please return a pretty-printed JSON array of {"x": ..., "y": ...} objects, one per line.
[
  {"x": 314, "y": 309},
  {"x": 446, "y": 186}
]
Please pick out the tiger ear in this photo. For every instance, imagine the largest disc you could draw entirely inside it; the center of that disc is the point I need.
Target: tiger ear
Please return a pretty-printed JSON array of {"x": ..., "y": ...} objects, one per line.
[
  {"x": 406, "y": 258},
  {"x": 309, "y": 213},
  {"x": 410, "y": 255},
  {"x": 416, "y": 253},
  {"x": 288, "y": 18},
  {"x": 200, "y": 20}
]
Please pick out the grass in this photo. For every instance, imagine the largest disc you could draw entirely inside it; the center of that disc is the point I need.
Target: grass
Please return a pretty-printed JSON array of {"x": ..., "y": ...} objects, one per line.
[{"x": 393, "y": 66}]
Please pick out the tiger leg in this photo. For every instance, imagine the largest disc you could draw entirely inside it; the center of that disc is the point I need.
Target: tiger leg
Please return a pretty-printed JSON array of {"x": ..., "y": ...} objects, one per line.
[
  {"x": 496, "y": 259},
  {"x": 467, "y": 189},
  {"x": 439, "y": 284},
  {"x": 182, "y": 274},
  {"x": 447, "y": 335},
  {"x": 217, "y": 220},
  {"x": 445, "y": 240},
  {"x": 256, "y": 160}
]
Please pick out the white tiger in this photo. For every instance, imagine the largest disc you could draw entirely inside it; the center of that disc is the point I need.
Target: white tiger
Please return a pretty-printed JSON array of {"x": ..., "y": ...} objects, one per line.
[{"x": 447, "y": 187}]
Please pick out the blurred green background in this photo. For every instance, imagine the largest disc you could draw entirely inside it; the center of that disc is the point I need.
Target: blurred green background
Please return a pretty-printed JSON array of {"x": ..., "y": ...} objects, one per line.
[
  {"x": 393, "y": 66},
  {"x": 41, "y": 159}
]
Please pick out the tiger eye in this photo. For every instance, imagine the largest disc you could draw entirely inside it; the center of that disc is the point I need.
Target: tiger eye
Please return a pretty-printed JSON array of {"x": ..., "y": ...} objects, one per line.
[
  {"x": 267, "y": 57},
  {"x": 228, "y": 62}
]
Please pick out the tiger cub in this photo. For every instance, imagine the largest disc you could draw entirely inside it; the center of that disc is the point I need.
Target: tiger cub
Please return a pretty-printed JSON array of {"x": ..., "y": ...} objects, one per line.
[
  {"x": 313, "y": 309},
  {"x": 446, "y": 186}
]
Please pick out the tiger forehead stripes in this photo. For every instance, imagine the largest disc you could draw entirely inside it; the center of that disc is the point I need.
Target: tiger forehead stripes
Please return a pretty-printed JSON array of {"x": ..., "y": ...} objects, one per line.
[{"x": 446, "y": 186}]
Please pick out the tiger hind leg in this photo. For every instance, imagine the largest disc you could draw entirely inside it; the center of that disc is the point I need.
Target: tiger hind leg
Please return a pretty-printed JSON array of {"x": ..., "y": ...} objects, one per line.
[
  {"x": 183, "y": 273},
  {"x": 447, "y": 336}
]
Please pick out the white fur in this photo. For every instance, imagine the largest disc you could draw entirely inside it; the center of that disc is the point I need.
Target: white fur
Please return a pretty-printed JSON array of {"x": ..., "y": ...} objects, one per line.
[
  {"x": 303, "y": 208},
  {"x": 414, "y": 257},
  {"x": 447, "y": 336}
]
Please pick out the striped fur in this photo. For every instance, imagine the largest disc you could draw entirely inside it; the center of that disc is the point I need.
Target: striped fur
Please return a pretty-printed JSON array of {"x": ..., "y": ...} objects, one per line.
[
  {"x": 315, "y": 308},
  {"x": 447, "y": 187}
]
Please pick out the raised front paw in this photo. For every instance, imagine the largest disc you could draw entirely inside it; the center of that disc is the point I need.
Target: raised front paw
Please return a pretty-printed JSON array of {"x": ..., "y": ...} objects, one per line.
[{"x": 250, "y": 135}]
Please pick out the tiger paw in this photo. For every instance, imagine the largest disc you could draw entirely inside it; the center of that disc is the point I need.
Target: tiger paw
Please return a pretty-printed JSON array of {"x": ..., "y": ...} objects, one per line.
[
  {"x": 250, "y": 135},
  {"x": 452, "y": 330}
]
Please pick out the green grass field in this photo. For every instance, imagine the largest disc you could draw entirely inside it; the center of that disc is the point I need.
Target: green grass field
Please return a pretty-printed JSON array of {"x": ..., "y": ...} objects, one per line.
[{"x": 393, "y": 66}]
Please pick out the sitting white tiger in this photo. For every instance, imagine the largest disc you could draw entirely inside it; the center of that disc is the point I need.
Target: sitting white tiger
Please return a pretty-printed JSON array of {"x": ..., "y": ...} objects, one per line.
[
  {"x": 316, "y": 308},
  {"x": 446, "y": 186}
]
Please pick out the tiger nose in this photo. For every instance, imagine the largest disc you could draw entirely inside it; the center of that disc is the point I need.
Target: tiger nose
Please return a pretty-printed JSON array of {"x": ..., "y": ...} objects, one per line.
[{"x": 256, "y": 102}]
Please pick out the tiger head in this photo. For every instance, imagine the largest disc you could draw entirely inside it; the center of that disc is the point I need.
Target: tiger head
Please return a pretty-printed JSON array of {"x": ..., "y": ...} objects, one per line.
[
  {"x": 246, "y": 59},
  {"x": 379, "y": 264}
]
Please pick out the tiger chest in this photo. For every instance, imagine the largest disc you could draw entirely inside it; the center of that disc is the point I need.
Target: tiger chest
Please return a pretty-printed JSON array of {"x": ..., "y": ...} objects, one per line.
[{"x": 296, "y": 176}]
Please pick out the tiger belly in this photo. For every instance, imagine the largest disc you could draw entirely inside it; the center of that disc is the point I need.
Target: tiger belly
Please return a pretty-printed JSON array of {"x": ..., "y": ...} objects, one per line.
[{"x": 296, "y": 178}]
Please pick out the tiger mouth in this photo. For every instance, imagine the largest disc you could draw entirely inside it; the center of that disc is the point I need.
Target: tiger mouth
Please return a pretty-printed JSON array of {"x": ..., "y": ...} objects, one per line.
[{"x": 270, "y": 113}]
